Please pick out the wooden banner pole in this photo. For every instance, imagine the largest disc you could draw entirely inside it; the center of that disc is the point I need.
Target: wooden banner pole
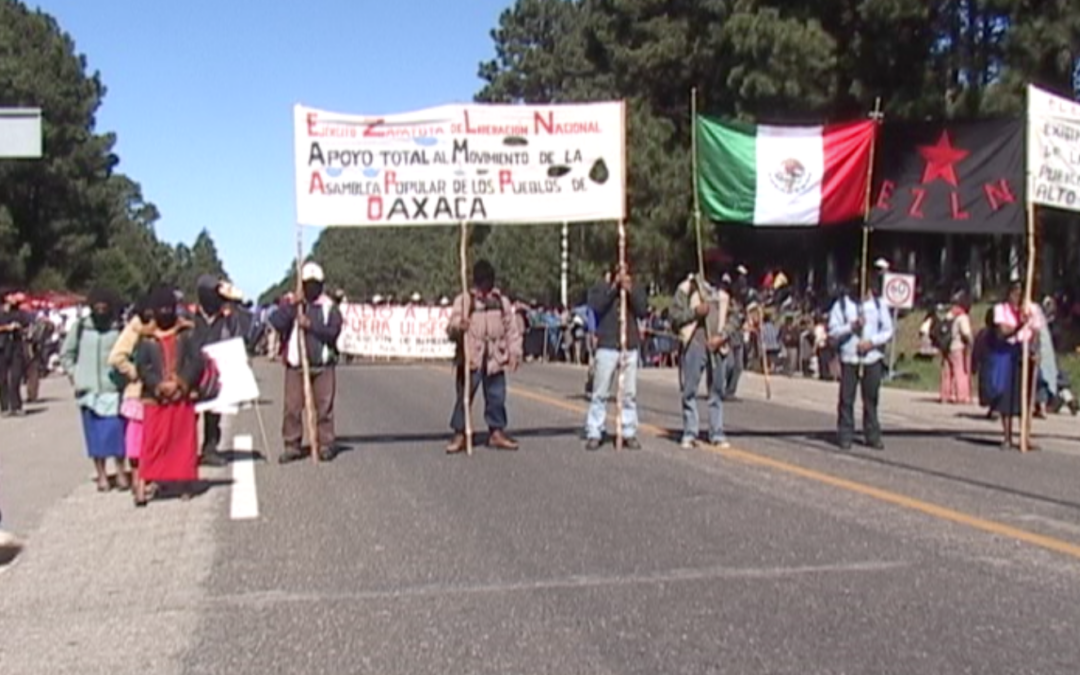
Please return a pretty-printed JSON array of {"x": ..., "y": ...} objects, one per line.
[
  {"x": 305, "y": 366},
  {"x": 864, "y": 273},
  {"x": 466, "y": 369},
  {"x": 623, "y": 328},
  {"x": 764, "y": 354},
  {"x": 620, "y": 392},
  {"x": 1026, "y": 374}
]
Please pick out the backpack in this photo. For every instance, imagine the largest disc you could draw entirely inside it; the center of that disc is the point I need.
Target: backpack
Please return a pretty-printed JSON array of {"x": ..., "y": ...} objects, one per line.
[{"x": 941, "y": 333}]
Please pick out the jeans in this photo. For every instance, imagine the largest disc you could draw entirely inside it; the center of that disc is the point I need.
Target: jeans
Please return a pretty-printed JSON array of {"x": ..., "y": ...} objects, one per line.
[
  {"x": 733, "y": 371},
  {"x": 607, "y": 366},
  {"x": 494, "y": 400},
  {"x": 871, "y": 386},
  {"x": 695, "y": 362}
]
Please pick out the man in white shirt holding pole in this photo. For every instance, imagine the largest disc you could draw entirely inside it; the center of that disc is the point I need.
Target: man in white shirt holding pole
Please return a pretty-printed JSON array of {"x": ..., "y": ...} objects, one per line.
[{"x": 860, "y": 329}]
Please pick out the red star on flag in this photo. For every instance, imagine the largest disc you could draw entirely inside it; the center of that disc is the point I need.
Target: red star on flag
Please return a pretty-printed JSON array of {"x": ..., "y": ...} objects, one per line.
[{"x": 941, "y": 160}]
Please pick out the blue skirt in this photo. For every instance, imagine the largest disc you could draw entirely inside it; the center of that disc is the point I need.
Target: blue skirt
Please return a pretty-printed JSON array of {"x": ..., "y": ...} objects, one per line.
[{"x": 104, "y": 435}]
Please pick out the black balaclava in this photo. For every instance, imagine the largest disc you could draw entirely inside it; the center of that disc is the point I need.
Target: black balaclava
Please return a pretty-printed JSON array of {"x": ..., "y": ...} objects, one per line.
[
  {"x": 313, "y": 290},
  {"x": 484, "y": 276},
  {"x": 209, "y": 297},
  {"x": 143, "y": 310},
  {"x": 163, "y": 307},
  {"x": 103, "y": 309}
]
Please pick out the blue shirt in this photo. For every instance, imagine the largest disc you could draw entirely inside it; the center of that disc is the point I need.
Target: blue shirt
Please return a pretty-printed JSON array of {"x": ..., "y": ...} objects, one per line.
[{"x": 877, "y": 329}]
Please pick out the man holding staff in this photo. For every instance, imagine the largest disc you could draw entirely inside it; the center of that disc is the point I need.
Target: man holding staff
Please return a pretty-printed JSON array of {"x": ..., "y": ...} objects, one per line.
[
  {"x": 320, "y": 320},
  {"x": 708, "y": 323},
  {"x": 860, "y": 329},
  {"x": 604, "y": 300},
  {"x": 484, "y": 323}
]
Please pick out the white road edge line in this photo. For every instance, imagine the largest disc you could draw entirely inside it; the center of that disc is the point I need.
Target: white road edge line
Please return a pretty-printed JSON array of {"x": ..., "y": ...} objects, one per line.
[{"x": 245, "y": 499}]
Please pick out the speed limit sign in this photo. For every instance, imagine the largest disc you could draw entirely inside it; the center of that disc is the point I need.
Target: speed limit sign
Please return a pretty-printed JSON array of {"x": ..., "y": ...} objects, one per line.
[{"x": 898, "y": 290}]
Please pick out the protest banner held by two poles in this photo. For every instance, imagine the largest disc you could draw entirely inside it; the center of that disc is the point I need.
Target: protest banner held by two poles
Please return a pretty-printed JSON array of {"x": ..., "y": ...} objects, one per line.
[{"x": 462, "y": 164}]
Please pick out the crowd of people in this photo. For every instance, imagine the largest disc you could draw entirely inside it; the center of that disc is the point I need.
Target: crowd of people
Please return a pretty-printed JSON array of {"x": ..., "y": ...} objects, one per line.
[{"x": 139, "y": 369}]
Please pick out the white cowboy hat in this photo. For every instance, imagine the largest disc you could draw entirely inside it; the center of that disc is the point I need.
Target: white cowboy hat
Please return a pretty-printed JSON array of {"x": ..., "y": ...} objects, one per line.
[
  {"x": 415, "y": 297},
  {"x": 881, "y": 264},
  {"x": 377, "y": 299}
]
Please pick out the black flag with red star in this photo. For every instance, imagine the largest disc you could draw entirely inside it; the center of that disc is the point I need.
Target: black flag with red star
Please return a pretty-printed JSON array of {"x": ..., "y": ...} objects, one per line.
[{"x": 950, "y": 177}]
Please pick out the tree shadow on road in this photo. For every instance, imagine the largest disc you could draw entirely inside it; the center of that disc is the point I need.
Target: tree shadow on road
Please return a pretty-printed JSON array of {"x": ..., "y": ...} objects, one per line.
[
  {"x": 171, "y": 492},
  {"x": 349, "y": 443}
]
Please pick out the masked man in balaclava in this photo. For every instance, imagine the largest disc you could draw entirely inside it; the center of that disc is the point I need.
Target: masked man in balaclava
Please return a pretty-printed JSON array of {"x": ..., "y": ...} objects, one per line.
[
  {"x": 317, "y": 319},
  {"x": 213, "y": 324}
]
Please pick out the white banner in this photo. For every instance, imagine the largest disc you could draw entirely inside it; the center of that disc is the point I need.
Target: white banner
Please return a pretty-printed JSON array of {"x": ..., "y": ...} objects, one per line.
[
  {"x": 475, "y": 163},
  {"x": 406, "y": 332},
  {"x": 1053, "y": 150}
]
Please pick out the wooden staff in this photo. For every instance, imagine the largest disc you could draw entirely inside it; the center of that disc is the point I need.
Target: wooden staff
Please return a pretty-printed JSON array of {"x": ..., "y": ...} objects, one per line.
[
  {"x": 305, "y": 366},
  {"x": 864, "y": 273},
  {"x": 699, "y": 283},
  {"x": 619, "y": 392},
  {"x": 764, "y": 354},
  {"x": 1026, "y": 391},
  {"x": 623, "y": 333},
  {"x": 466, "y": 381}
]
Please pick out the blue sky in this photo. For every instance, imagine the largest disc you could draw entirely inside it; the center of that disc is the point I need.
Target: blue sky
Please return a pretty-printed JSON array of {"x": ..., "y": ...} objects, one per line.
[{"x": 201, "y": 92}]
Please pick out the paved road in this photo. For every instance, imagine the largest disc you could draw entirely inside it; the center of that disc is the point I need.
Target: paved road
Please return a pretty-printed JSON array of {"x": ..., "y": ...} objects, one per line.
[{"x": 941, "y": 555}]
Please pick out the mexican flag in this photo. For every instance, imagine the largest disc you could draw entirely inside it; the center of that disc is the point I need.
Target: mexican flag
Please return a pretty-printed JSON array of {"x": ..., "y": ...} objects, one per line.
[{"x": 783, "y": 175}]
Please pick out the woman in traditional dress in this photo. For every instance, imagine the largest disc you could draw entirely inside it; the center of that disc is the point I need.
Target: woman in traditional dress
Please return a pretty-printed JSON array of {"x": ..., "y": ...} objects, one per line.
[
  {"x": 1014, "y": 325},
  {"x": 169, "y": 365},
  {"x": 122, "y": 358},
  {"x": 85, "y": 356}
]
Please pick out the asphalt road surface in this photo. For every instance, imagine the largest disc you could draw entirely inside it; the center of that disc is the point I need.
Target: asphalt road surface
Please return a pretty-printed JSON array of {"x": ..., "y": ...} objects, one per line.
[{"x": 781, "y": 555}]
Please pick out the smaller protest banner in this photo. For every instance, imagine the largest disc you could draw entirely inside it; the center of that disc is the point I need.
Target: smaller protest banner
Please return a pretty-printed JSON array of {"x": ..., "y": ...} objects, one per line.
[
  {"x": 395, "y": 331},
  {"x": 1054, "y": 150},
  {"x": 238, "y": 384}
]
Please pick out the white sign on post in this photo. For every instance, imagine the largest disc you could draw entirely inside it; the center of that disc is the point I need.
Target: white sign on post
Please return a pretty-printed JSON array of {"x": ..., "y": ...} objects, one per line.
[
  {"x": 461, "y": 163},
  {"x": 20, "y": 133},
  {"x": 898, "y": 290},
  {"x": 1053, "y": 161}
]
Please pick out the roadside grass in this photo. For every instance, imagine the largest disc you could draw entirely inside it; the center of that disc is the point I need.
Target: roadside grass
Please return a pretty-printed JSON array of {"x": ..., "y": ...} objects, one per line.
[{"x": 925, "y": 375}]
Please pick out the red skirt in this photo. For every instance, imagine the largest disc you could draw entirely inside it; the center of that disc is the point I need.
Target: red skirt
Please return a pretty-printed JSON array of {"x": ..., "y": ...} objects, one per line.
[{"x": 170, "y": 444}]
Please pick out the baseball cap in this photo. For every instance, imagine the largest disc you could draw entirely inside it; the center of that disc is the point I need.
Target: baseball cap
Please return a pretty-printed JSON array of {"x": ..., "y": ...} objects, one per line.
[{"x": 311, "y": 271}]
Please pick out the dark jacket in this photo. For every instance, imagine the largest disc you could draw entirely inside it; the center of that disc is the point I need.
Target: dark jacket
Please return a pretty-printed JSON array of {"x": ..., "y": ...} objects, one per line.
[
  {"x": 320, "y": 340},
  {"x": 217, "y": 328},
  {"x": 150, "y": 361},
  {"x": 604, "y": 301}
]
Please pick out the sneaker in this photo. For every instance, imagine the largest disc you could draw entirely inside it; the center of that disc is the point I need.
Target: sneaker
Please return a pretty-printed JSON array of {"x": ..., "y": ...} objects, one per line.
[
  {"x": 326, "y": 455},
  {"x": 721, "y": 443},
  {"x": 592, "y": 445},
  {"x": 456, "y": 445},
  {"x": 500, "y": 441},
  {"x": 688, "y": 443},
  {"x": 290, "y": 455},
  {"x": 10, "y": 547},
  {"x": 631, "y": 443}
]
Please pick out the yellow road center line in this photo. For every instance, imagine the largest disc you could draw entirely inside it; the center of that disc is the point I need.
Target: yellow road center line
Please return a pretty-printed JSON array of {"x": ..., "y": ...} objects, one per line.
[{"x": 897, "y": 499}]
